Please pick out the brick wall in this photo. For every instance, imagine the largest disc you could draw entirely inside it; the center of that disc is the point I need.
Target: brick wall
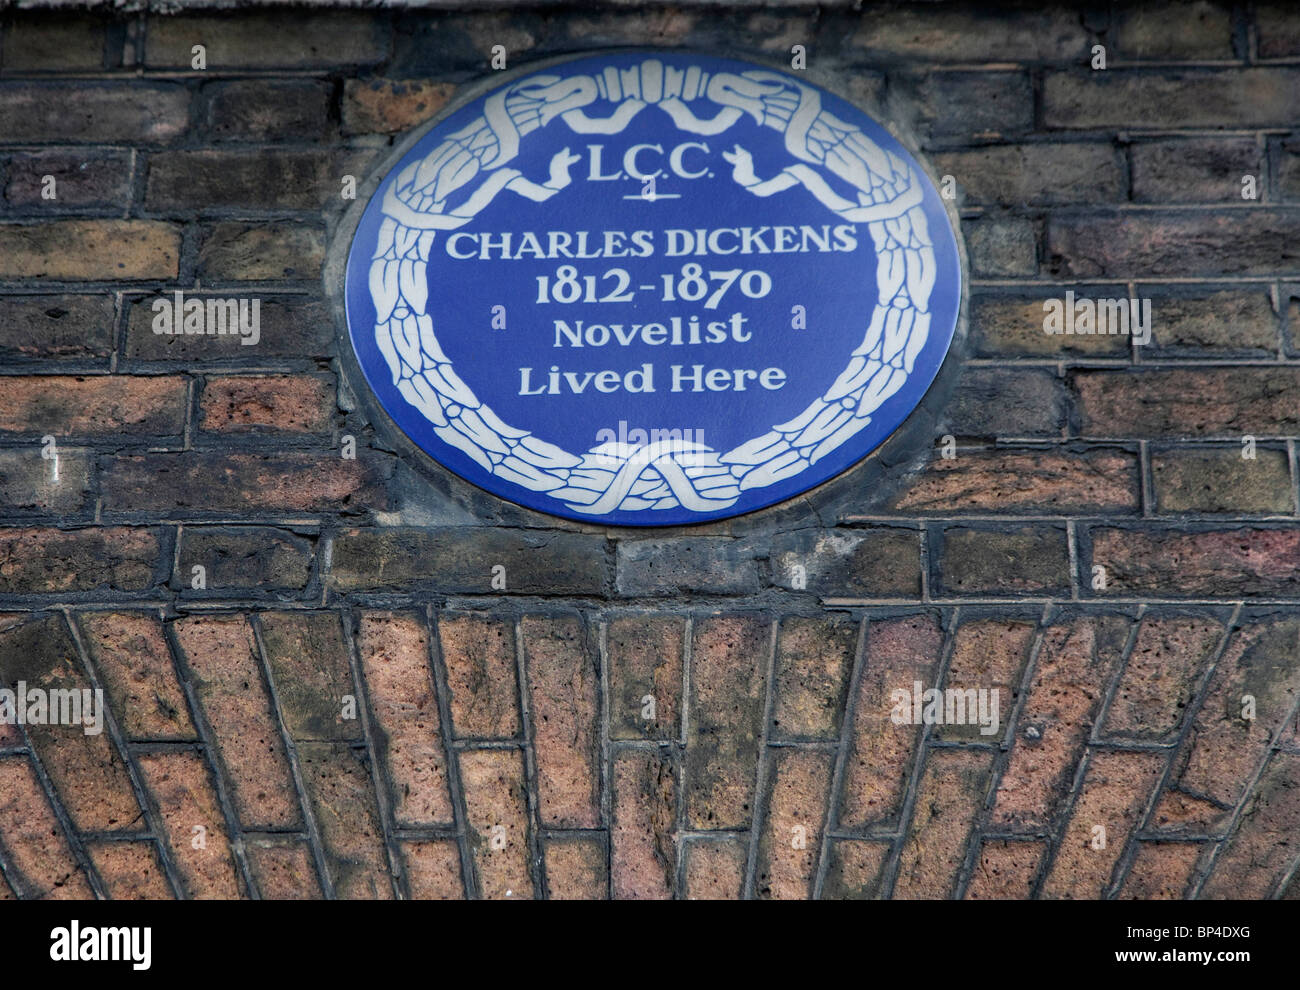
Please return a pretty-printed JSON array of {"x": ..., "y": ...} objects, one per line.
[{"x": 499, "y": 745}]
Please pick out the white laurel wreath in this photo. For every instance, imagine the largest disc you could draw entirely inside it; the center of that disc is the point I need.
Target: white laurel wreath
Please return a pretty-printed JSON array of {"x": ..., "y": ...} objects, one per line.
[{"x": 671, "y": 473}]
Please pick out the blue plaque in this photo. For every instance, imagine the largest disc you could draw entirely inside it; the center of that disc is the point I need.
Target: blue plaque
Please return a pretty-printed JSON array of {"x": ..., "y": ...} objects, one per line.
[{"x": 652, "y": 288}]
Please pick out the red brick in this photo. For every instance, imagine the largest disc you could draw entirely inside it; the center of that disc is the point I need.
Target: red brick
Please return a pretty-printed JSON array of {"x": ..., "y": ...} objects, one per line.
[
  {"x": 385, "y": 106},
  {"x": 50, "y": 561},
  {"x": 814, "y": 659},
  {"x": 1073, "y": 668},
  {"x": 1228, "y": 563},
  {"x": 482, "y": 675},
  {"x": 1005, "y": 870},
  {"x": 36, "y": 846},
  {"x": 1160, "y": 677},
  {"x": 493, "y": 781},
  {"x": 949, "y": 796},
  {"x": 394, "y": 652},
  {"x": 180, "y": 788},
  {"x": 1254, "y": 863},
  {"x": 267, "y": 404},
  {"x": 90, "y": 250},
  {"x": 229, "y": 686},
  {"x": 342, "y": 795},
  {"x": 729, "y": 660},
  {"x": 1115, "y": 793},
  {"x": 433, "y": 870},
  {"x": 645, "y": 659},
  {"x": 988, "y": 655},
  {"x": 793, "y": 831},
  {"x": 130, "y": 871},
  {"x": 72, "y": 327},
  {"x": 575, "y": 869},
  {"x": 643, "y": 854},
  {"x": 715, "y": 869},
  {"x": 898, "y": 652},
  {"x": 562, "y": 685},
  {"x": 308, "y": 659},
  {"x": 97, "y": 405},
  {"x": 135, "y": 665},
  {"x": 282, "y": 869},
  {"x": 854, "y": 870},
  {"x": 260, "y": 560},
  {"x": 1162, "y": 871},
  {"x": 1187, "y": 402},
  {"x": 1092, "y": 482}
]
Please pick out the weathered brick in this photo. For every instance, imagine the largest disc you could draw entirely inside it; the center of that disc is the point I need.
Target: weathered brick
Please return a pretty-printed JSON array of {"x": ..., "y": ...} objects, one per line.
[
  {"x": 108, "y": 113},
  {"x": 563, "y": 688},
  {"x": 301, "y": 41},
  {"x": 874, "y": 562},
  {"x": 385, "y": 106},
  {"x": 269, "y": 111},
  {"x": 956, "y": 35},
  {"x": 220, "y": 483},
  {"x": 55, "y": 327},
  {"x": 1220, "y": 480},
  {"x": 342, "y": 795},
  {"x": 81, "y": 178},
  {"x": 1223, "y": 749},
  {"x": 1186, "y": 98},
  {"x": 1024, "y": 174},
  {"x": 308, "y": 659},
  {"x": 135, "y": 665},
  {"x": 1200, "y": 30},
  {"x": 433, "y": 870},
  {"x": 92, "y": 405},
  {"x": 729, "y": 660},
  {"x": 243, "y": 180},
  {"x": 258, "y": 559},
  {"x": 130, "y": 870},
  {"x": 949, "y": 796},
  {"x": 1231, "y": 563},
  {"x": 814, "y": 660},
  {"x": 1021, "y": 560},
  {"x": 854, "y": 870},
  {"x": 792, "y": 835},
  {"x": 1214, "y": 322},
  {"x": 1257, "y": 858},
  {"x": 482, "y": 675},
  {"x": 394, "y": 651},
  {"x": 714, "y": 868},
  {"x": 262, "y": 252},
  {"x": 575, "y": 868},
  {"x": 1279, "y": 34},
  {"x": 1114, "y": 795},
  {"x": 898, "y": 653},
  {"x": 282, "y": 869},
  {"x": 965, "y": 105},
  {"x": 291, "y": 327},
  {"x": 1005, "y": 870},
  {"x": 997, "y": 403},
  {"x": 537, "y": 562},
  {"x": 1197, "y": 171},
  {"x": 267, "y": 404},
  {"x": 1013, "y": 325},
  {"x": 92, "y": 250},
  {"x": 1160, "y": 678},
  {"x": 34, "y": 843},
  {"x": 1074, "y": 666},
  {"x": 44, "y": 41},
  {"x": 30, "y": 486},
  {"x": 1161, "y": 871},
  {"x": 1092, "y": 482},
  {"x": 185, "y": 800},
  {"x": 495, "y": 802},
  {"x": 643, "y": 854},
  {"x": 988, "y": 655},
  {"x": 708, "y": 565},
  {"x": 221, "y": 656},
  {"x": 1228, "y": 402},
  {"x": 49, "y": 561},
  {"x": 1153, "y": 243},
  {"x": 1001, "y": 247},
  {"x": 645, "y": 659}
]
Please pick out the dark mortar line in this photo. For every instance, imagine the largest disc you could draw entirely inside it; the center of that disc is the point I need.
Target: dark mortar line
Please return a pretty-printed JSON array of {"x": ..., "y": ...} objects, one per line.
[
  {"x": 680, "y": 820},
  {"x": 533, "y": 799},
  {"x": 606, "y": 757},
  {"x": 765, "y": 770}
]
